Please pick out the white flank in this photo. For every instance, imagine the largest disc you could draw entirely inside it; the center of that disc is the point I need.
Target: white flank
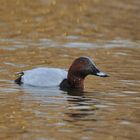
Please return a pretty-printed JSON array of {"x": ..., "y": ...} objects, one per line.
[{"x": 44, "y": 77}]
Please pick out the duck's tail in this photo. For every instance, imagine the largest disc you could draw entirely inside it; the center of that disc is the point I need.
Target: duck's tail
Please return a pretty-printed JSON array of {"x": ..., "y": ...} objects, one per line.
[{"x": 18, "y": 80}]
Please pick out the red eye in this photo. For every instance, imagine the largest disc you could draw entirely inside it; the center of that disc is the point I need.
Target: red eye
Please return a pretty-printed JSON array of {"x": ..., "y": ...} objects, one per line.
[{"x": 83, "y": 61}]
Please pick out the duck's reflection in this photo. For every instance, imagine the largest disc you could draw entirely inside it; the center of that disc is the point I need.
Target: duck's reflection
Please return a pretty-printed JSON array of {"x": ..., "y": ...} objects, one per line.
[
  {"x": 80, "y": 107},
  {"x": 79, "y": 93},
  {"x": 74, "y": 105}
]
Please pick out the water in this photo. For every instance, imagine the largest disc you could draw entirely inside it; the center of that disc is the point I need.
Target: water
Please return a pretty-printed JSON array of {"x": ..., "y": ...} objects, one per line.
[{"x": 52, "y": 34}]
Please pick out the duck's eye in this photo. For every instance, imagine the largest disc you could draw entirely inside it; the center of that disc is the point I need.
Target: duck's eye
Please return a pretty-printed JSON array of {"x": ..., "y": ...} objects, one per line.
[{"x": 83, "y": 61}]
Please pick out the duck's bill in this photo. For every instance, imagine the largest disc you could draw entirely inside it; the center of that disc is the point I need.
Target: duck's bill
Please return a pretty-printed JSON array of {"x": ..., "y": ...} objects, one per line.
[
  {"x": 97, "y": 72},
  {"x": 101, "y": 74}
]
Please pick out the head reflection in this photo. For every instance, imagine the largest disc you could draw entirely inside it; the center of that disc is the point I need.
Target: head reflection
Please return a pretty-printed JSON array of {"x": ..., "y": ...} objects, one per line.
[{"x": 80, "y": 107}]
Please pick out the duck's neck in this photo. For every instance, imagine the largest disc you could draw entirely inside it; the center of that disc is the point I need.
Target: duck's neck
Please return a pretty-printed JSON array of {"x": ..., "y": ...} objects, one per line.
[{"x": 75, "y": 82}]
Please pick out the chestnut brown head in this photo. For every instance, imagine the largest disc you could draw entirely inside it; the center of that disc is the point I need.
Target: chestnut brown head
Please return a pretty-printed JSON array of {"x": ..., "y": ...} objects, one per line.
[{"x": 83, "y": 66}]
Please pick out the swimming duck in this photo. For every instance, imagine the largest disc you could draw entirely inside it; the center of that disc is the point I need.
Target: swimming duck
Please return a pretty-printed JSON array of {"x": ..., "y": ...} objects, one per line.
[{"x": 50, "y": 77}]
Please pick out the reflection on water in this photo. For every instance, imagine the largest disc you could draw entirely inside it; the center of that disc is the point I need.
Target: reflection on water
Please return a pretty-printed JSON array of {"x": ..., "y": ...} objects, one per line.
[{"x": 33, "y": 34}]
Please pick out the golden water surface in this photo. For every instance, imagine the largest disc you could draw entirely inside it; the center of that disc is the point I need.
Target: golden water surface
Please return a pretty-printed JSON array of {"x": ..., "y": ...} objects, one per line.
[{"x": 51, "y": 33}]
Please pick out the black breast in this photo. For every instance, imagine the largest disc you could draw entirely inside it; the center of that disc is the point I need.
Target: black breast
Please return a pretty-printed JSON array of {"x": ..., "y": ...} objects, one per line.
[{"x": 64, "y": 85}]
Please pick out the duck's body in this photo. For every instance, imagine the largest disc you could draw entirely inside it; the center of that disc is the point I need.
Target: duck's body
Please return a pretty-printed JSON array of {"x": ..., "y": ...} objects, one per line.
[
  {"x": 43, "y": 77},
  {"x": 50, "y": 77}
]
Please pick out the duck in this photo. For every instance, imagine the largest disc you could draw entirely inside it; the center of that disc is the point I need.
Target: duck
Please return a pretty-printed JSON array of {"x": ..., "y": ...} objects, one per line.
[{"x": 74, "y": 78}]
